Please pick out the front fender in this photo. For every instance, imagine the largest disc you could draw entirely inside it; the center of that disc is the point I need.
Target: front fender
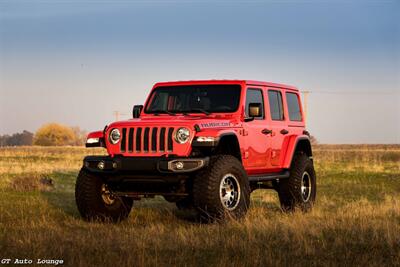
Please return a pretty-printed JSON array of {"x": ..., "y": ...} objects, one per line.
[
  {"x": 214, "y": 134},
  {"x": 95, "y": 139}
]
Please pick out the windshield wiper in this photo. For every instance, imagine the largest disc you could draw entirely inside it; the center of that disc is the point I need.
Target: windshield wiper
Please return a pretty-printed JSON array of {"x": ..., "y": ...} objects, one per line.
[
  {"x": 197, "y": 110},
  {"x": 158, "y": 111}
]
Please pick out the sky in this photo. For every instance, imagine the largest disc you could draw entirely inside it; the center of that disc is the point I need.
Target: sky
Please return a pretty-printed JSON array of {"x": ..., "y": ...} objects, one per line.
[{"x": 76, "y": 62}]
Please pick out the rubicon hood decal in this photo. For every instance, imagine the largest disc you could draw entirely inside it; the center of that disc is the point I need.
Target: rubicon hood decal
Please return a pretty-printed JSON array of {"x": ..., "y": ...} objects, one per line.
[{"x": 215, "y": 124}]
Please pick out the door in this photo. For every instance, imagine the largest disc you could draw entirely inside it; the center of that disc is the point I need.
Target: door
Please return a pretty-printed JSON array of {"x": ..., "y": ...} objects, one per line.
[
  {"x": 257, "y": 142},
  {"x": 295, "y": 114},
  {"x": 277, "y": 126}
]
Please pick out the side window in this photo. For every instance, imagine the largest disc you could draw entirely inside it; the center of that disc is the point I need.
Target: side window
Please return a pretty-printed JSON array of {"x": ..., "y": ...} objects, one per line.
[
  {"x": 254, "y": 95},
  {"x": 275, "y": 105},
  {"x": 293, "y": 107}
]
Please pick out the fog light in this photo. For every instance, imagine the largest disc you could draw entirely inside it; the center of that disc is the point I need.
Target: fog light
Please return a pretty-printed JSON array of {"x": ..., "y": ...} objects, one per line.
[
  {"x": 114, "y": 165},
  {"x": 101, "y": 165},
  {"x": 179, "y": 165},
  {"x": 186, "y": 165}
]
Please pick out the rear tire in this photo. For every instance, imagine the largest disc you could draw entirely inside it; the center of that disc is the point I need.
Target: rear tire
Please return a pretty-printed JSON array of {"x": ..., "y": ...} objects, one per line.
[
  {"x": 299, "y": 190},
  {"x": 222, "y": 189},
  {"x": 96, "y": 202}
]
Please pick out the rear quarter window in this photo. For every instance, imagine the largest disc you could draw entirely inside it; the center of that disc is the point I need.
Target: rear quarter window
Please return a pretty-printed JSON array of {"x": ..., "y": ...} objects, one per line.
[{"x": 293, "y": 105}]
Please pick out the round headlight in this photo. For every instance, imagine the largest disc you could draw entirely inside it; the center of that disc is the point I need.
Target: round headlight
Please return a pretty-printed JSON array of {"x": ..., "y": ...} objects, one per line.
[
  {"x": 182, "y": 135},
  {"x": 115, "y": 135}
]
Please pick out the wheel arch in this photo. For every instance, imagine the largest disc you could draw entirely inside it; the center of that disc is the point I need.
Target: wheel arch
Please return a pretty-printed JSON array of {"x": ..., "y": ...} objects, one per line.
[
  {"x": 228, "y": 143},
  {"x": 297, "y": 144}
]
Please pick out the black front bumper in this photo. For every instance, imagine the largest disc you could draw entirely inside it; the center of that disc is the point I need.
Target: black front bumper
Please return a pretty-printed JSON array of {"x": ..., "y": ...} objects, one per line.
[{"x": 143, "y": 166}]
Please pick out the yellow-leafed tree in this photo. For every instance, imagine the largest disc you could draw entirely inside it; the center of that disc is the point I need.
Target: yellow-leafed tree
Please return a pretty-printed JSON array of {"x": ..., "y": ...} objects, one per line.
[{"x": 54, "y": 134}]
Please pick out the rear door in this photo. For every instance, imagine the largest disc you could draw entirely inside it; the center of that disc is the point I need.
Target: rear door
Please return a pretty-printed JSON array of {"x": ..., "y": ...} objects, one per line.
[
  {"x": 276, "y": 124},
  {"x": 295, "y": 114}
]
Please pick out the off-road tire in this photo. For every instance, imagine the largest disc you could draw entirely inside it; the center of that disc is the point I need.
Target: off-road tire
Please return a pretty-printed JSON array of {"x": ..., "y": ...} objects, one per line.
[
  {"x": 91, "y": 206},
  {"x": 206, "y": 189},
  {"x": 290, "y": 190}
]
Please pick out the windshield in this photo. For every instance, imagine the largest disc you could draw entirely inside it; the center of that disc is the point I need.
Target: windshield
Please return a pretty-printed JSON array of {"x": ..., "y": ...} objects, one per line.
[{"x": 194, "y": 99}]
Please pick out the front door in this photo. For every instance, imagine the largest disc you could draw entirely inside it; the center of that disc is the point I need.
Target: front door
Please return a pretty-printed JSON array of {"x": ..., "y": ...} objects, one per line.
[{"x": 257, "y": 142}]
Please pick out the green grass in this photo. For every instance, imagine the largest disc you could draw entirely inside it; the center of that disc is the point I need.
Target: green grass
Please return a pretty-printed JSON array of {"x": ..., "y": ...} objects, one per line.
[{"x": 356, "y": 220}]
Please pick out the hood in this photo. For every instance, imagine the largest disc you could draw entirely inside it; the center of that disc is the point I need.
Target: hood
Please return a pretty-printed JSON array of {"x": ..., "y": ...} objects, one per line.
[{"x": 204, "y": 122}]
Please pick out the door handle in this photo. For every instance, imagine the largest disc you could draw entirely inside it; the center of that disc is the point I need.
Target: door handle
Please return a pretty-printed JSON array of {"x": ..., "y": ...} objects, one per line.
[
  {"x": 266, "y": 131},
  {"x": 284, "y": 131}
]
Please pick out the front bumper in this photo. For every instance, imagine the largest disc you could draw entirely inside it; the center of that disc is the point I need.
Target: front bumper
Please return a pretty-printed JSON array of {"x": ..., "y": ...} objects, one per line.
[{"x": 143, "y": 165}]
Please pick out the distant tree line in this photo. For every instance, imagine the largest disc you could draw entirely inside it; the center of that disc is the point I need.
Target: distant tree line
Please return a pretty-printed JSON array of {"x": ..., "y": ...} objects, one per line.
[
  {"x": 52, "y": 134},
  {"x": 18, "y": 139}
]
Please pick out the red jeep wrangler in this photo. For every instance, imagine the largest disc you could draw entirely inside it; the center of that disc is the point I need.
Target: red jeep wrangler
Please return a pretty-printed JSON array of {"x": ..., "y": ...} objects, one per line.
[{"x": 204, "y": 145}]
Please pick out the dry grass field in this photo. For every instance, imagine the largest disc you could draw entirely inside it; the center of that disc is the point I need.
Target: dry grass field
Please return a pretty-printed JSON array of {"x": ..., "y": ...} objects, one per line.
[{"x": 356, "y": 221}]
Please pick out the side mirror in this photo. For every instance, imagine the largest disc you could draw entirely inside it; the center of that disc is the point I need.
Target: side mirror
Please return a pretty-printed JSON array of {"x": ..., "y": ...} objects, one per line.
[
  {"x": 137, "y": 109},
  {"x": 255, "y": 110}
]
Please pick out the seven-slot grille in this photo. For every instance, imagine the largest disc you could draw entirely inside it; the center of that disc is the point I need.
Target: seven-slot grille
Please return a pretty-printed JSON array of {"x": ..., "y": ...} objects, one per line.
[{"x": 147, "y": 139}]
